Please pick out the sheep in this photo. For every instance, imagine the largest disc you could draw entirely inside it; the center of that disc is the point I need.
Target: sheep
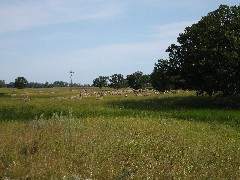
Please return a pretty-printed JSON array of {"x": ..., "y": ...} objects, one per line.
[
  {"x": 147, "y": 94},
  {"x": 26, "y": 99},
  {"x": 138, "y": 94},
  {"x": 113, "y": 92},
  {"x": 100, "y": 94},
  {"x": 85, "y": 93}
]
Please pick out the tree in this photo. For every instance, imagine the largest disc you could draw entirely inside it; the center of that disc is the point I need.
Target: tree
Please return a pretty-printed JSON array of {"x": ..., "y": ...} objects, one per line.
[
  {"x": 46, "y": 85},
  {"x": 146, "y": 81},
  {"x": 165, "y": 77},
  {"x": 137, "y": 80},
  {"x": 101, "y": 81},
  {"x": 2, "y": 83},
  {"x": 117, "y": 81},
  {"x": 60, "y": 84},
  {"x": 21, "y": 83},
  {"x": 208, "y": 57},
  {"x": 160, "y": 77},
  {"x": 10, "y": 85}
]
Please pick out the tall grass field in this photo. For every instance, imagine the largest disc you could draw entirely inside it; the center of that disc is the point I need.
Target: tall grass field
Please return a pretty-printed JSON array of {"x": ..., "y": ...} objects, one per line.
[{"x": 56, "y": 134}]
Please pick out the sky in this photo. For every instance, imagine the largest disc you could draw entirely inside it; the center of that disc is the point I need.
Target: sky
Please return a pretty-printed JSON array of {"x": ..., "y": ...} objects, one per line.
[{"x": 43, "y": 40}]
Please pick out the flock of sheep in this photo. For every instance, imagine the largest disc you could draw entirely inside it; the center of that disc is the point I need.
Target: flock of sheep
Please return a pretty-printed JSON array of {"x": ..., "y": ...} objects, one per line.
[
  {"x": 100, "y": 94},
  {"x": 25, "y": 97}
]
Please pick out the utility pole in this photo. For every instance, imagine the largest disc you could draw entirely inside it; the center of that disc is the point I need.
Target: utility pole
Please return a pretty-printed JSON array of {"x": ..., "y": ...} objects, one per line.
[{"x": 71, "y": 73}]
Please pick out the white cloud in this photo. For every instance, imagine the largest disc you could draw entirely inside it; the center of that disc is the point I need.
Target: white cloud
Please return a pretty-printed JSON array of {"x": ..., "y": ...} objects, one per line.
[
  {"x": 172, "y": 30},
  {"x": 26, "y": 14}
]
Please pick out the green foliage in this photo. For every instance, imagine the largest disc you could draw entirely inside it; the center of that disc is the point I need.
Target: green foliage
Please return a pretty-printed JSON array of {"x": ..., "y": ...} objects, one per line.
[
  {"x": 101, "y": 81},
  {"x": 160, "y": 78},
  {"x": 146, "y": 80},
  {"x": 165, "y": 77},
  {"x": 10, "y": 85},
  {"x": 2, "y": 83},
  {"x": 60, "y": 84},
  {"x": 208, "y": 55},
  {"x": 138, "y": 80},
  {"x": 47, "y": 85},
  {"x": 117, "y": 81},
  {"x": 21, "y": 83}
]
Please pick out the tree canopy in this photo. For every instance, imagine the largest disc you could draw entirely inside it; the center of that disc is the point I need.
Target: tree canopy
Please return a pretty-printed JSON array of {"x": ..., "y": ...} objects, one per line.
[
  {"x": 160, "y": 77},
  {"x": 208, "y": 55},
  {"x": 117, "y": 81},
  {"x": 101, "y": 81},
  {"x": 138, "y": 80},
  {"x": 20, "y": 83},
  {"x": 2, "y": 83}
]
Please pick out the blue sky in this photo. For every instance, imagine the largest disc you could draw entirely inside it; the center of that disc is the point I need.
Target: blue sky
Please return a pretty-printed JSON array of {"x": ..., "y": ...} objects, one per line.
[{"x": 44, "y": 40}]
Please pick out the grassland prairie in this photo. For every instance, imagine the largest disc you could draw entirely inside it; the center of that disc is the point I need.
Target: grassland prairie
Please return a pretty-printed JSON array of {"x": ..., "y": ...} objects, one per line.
[{"x": 60, "y": 134}]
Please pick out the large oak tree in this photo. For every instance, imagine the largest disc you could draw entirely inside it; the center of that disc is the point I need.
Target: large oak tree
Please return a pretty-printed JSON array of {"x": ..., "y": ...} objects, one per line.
[{"x": 208, "y": 54}]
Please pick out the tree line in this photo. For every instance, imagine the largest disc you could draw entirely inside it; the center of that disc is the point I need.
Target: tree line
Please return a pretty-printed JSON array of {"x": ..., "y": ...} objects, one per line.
[
  {"x": 136, "y": 80},
  {"x": 206, "y": 59},
  {"x": 21, "y": 82}
]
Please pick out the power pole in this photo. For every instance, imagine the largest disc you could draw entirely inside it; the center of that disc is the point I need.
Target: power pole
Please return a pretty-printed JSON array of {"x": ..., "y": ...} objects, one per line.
[{"x": 71, "y": 74}]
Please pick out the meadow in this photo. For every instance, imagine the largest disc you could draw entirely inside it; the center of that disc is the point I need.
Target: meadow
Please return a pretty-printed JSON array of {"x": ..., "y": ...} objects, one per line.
[{"x": 164, "y": 136}]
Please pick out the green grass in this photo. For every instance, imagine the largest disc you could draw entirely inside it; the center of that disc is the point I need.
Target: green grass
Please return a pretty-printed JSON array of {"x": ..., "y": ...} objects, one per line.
[
  {"x": 187, "y": 107},
  {"x": 178, "y": 136}
]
